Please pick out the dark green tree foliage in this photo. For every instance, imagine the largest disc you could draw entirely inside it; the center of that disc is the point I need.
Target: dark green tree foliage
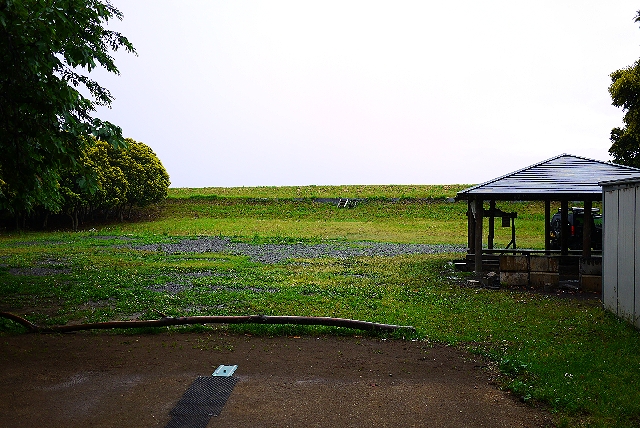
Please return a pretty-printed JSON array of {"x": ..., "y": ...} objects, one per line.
[
  {"x": 625, "y": 147},
  {"x": 45, "y": 122},
  {"x": 625, "y": 93}
]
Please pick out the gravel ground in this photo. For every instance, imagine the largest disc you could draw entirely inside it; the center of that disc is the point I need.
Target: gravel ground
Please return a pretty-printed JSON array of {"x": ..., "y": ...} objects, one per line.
[{"x": 275, "y": 253}]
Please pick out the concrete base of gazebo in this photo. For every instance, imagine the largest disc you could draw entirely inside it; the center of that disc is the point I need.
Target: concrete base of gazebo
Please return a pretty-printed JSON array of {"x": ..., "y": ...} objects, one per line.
[{"x": 541, "y": 271}]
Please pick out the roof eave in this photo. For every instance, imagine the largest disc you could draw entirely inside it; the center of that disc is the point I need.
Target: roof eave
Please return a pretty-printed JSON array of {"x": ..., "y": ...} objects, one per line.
[{"x": 556, "y": 196}]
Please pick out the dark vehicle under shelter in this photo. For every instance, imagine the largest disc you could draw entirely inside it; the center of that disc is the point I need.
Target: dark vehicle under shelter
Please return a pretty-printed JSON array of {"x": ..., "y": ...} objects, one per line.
[{"x": 575, "y": 229}]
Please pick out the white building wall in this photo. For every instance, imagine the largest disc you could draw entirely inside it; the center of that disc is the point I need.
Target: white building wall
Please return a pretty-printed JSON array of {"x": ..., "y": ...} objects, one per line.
[
  {"x": 636, "y": 260},
  {"x": 621, "y": 250},
  {"x": 610, "y": 251}
]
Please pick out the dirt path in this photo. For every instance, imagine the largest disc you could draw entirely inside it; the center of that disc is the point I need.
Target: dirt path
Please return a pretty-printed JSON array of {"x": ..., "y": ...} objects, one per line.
[{"x": 104, "y": 380}]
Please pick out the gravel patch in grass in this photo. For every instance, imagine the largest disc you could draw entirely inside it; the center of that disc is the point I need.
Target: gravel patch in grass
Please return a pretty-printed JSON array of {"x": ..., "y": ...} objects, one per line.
[
  {"x": 169, "y": 287},
  {"x": 176, "y": 287},
  {"x": 276, "y": 253},
  {"x": 38, "y": 271}
]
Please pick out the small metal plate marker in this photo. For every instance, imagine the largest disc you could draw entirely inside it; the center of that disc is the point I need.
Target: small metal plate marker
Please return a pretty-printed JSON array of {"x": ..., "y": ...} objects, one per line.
[{"x": 224, "y": 370}]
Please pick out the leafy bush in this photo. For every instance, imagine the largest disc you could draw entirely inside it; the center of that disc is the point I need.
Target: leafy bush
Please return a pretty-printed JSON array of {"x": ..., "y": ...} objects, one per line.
[
  {"x": 122, "y": 179},
  {"x": 147, "y": 178}
]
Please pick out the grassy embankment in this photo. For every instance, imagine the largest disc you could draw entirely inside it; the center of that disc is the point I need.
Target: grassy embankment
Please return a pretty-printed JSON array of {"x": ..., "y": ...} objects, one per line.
[
  {"x": 408, "y": 214},
  {"x": 569, "y": 354}
]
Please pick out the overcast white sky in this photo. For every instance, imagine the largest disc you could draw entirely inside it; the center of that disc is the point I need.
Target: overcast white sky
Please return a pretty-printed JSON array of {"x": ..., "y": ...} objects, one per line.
[{"x": 250, "y": 93}]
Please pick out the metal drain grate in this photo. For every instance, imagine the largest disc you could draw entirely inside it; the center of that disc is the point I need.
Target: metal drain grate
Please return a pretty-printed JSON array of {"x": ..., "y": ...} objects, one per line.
[{"x": 204, "y": 399}]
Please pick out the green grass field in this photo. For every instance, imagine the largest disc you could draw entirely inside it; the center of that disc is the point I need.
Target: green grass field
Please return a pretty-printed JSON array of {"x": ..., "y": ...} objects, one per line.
[{"x": 567, "y": 354}]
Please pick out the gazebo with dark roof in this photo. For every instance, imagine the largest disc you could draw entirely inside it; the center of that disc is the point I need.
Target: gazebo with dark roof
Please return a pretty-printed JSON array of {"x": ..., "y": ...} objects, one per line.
[{"x": 562, "y": 178}]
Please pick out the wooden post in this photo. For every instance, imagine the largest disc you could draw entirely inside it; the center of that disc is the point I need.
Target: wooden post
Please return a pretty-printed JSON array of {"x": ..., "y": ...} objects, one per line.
[
  {"x": 564, "y": 220},
  {"x": 547, "y": 226},
  {"x": 492, "y": 208},
  {"x": 478, "y": 235},
  {"x": 471, "y": 227},
  {"x": 586, "y": 230}
]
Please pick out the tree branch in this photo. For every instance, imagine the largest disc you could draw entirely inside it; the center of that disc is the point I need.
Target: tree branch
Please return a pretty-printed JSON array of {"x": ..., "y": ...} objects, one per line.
[{"x": 242, "y": 319}]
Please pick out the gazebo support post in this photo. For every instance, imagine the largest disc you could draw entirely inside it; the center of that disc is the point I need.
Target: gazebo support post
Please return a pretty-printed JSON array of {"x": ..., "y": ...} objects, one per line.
[
  {"x": 547, "y": 226},
  {"x": 478, "y": 211},
  {"x": 586, "y": 230},
  {"x": 564, "y": 220},
  {"x": 471, "y": 227},
  {"x": 492, "y": 208}
]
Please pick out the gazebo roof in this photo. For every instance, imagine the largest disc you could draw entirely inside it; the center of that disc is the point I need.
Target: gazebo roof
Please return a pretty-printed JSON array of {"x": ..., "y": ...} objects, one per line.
[{"x": 561, "y": 177}]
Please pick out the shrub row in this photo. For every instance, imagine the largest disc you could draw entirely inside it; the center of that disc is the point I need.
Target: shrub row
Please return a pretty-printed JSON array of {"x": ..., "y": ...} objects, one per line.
[{"x": 105, "y": 182}]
